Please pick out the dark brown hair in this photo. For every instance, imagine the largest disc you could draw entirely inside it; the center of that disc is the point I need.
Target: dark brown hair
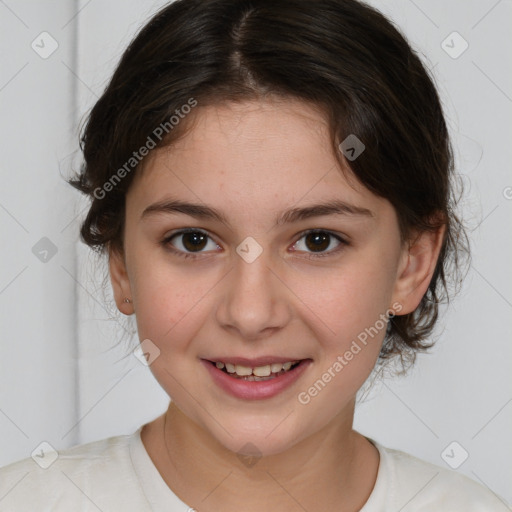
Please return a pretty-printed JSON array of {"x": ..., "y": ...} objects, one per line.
[{"x": 342, "y": 56}]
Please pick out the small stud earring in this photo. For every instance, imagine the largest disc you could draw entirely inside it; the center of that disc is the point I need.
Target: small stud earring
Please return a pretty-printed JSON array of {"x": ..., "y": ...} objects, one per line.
[{"x": 128, "y": 301}]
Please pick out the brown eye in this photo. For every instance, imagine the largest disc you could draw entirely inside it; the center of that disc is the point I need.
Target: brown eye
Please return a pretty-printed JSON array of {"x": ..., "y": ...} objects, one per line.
[
  {"x": 318, "y": 241},
  {"x": 192, "y": 241},
  {"x": 321, "y": 242}
]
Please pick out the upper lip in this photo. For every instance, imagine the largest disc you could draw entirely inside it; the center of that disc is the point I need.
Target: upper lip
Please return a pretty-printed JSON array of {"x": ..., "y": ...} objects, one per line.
[{"x": 253, "y": 363}]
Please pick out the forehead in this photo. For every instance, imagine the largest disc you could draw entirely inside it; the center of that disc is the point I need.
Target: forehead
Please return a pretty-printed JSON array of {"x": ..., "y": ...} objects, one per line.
[{"x": 260, "y": 154}]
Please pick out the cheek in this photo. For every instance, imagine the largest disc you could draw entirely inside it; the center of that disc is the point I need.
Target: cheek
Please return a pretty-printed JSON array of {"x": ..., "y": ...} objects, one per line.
[
  {"x": 347, "y": 301},
  {"x": 349, "y": 317},
  {"x": 171, "y": 309},
  {"x": 170, "y": 298},
  {"x": 167, "y": 309},
  {"x": 351, "y": 326}
]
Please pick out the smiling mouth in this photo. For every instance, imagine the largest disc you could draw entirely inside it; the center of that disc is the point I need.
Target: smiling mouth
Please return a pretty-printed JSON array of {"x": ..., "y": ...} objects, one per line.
[{"x": 259, "y": 373}]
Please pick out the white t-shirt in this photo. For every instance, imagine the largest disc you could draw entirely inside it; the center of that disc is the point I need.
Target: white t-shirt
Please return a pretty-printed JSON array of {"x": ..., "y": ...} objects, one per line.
[{"x": 117, "y": 474}]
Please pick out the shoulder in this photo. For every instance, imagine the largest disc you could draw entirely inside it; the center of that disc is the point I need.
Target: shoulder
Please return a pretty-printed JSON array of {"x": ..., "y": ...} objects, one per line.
[
  {"x": 419, "y": 486},
  {"x": 89, "y": 474}
]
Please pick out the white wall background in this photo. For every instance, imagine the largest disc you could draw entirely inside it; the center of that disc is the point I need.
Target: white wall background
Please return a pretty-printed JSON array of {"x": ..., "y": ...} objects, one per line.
[{"x": 64, "y": 374}]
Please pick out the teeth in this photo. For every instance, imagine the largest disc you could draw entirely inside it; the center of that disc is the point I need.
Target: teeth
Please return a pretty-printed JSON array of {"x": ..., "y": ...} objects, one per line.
[
  {"x": 253, "y": 378},
  {"x": 243, "y": 370},
  {"x": 262, "y": 371},
  {"x": 259, "y": 371}
]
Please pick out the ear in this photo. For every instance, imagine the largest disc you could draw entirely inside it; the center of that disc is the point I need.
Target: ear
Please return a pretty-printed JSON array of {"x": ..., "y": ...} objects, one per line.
[
  {"x": 417, "y": 264},
  {"x": 120, "y": 281}
]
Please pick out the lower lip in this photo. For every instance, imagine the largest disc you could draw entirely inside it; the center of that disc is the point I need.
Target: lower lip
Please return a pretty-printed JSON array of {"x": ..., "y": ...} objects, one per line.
[{"x": 255, "y": 390}]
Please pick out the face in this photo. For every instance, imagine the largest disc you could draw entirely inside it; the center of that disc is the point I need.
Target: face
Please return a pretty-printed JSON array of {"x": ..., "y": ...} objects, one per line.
[{"x": 258, "y": 274}]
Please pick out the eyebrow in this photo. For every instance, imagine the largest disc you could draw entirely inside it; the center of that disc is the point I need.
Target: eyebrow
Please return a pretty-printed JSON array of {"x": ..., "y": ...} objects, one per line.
[{"x": 333, "y": 207}]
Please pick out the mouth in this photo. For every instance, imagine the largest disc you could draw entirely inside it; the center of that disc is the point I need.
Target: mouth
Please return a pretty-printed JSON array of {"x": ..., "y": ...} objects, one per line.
[
  {"x": 255, "y": 379},
  {"x": 256, "y": 373}
]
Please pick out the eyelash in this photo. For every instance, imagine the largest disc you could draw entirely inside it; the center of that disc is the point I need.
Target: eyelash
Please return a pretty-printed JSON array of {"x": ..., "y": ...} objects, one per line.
[{"x": 166, "y": 243}]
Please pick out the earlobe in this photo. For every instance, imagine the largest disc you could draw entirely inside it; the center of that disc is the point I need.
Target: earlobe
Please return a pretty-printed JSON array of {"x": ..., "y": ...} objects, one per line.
[
  {"x": 120, "y": 282},
  {"x": 416, "y": 268}
]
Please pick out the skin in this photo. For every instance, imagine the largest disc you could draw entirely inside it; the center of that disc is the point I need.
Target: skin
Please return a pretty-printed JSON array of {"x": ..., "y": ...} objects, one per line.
[{"x": 252, "y": 161}]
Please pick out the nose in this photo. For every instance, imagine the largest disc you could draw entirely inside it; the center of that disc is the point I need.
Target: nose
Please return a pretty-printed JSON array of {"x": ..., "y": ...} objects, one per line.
[{"x": 255, "y": 303}]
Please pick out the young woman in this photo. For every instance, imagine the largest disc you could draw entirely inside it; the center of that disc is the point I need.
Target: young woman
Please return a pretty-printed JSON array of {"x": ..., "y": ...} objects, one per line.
[{"x": 271, "y": 183}]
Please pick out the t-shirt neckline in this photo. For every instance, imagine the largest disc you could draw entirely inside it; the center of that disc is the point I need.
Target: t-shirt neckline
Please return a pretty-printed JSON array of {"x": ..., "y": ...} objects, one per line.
[{"x": 158, "y": 493}]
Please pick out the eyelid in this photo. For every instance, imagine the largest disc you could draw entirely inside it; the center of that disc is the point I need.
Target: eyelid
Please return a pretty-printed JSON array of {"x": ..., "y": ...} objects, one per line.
[
  {"x": 187, "y": 230},
  {"x": 312, "y": 255},
  {"x": 336, "y": 235},
  {"x": 167, "y": 239}
]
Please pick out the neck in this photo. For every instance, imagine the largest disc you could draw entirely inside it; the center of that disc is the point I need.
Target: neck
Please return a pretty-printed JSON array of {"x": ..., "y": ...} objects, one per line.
[{"x": 335, "y": 468}]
